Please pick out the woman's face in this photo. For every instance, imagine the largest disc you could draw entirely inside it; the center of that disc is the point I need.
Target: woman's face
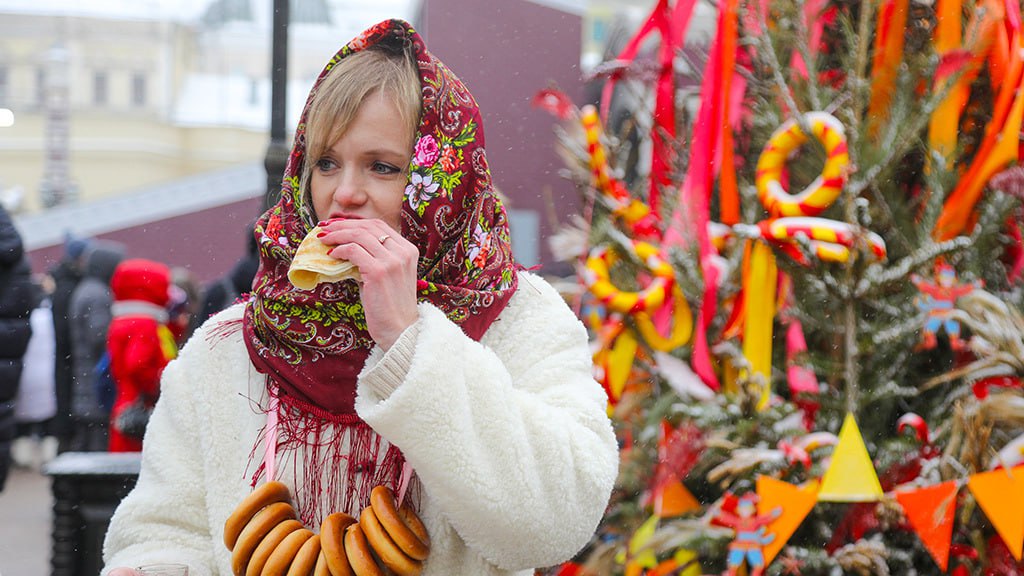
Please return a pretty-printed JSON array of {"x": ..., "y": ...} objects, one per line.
[{"x": 363, "y": 175}]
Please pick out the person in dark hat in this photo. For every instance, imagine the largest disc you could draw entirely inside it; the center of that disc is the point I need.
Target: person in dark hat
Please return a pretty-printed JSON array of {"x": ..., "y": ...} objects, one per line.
[
  {"x": 89, "y": 317},
  {"x": 66, "y": 275},
  {"x": 18, "y": 296}
]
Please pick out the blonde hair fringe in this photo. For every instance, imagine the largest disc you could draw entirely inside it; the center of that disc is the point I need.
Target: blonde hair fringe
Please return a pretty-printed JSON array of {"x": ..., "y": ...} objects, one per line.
[{"x": 353, "y": 79}]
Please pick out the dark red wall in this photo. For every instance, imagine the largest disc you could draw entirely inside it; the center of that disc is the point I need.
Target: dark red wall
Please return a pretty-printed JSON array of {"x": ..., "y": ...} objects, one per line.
[
  {"x": 206, "y": 242},
  {"x": 505, "y": 51}
]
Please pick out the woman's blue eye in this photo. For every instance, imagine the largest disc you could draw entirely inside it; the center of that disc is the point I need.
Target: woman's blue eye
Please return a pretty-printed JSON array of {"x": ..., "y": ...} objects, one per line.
[
  {"x": 382, "y": 168},
  {"x": 324, "y": 165}
]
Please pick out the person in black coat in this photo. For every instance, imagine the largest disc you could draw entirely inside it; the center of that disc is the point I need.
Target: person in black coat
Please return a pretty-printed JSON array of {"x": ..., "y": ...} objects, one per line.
[
  {"x": 89, "y": 316},
  {"x": 66, "y": 275},
  {"x": 17, "y": 299},
  {"x": 222, "y": 292}
]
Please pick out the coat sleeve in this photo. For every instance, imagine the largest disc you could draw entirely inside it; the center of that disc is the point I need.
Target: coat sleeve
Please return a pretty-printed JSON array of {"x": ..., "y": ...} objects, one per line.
[
  {"x": 11, "y": 247},
  {"x": 164, "y": 518},
  {"x": 511, "y": 439}
]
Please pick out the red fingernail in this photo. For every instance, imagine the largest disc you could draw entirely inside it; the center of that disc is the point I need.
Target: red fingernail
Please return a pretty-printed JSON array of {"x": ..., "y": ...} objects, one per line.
[
  {"x": 321, "y": 234},
  {"x": 329, "y": 250}
]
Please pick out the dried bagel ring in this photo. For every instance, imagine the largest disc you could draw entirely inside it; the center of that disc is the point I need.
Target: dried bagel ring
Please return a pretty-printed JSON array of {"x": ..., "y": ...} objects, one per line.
[
  {"x": 264, "y": 495},
  {"x": 261, "y": 524},
  {"x": 358, "y": 552},
  {"x": 383, "y": 502},
  {"x": 389, "y": 553},
  {"x": 259, "y": 558},
  {"x": 332, "y": 546},
  {"x": 305, "y": 558},
  {"x": 321, "y": 568},
  {"x": 282, "y": 556},
  {"x": 413, "y": 521}
]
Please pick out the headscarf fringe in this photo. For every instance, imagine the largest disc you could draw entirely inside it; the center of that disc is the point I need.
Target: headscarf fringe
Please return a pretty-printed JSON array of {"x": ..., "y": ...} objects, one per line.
[
  {"x": 224, "y": 329},
  {"x": 336, "y": 460}
]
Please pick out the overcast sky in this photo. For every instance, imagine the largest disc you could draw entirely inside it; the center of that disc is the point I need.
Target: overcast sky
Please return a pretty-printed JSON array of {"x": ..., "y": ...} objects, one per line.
[{"x": 372, "y": 10}]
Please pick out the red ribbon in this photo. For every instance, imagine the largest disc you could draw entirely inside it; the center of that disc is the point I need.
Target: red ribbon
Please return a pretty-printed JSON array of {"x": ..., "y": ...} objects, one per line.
[
  {"x": 671, "y": 23},
  {"x": 693, "y": 213}
]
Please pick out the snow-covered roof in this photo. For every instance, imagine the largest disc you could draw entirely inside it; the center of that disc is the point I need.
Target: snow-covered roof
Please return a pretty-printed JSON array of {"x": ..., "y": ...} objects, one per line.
[
  {"x": 577, "y": 7},
  {"x": 220, "y": 187}
]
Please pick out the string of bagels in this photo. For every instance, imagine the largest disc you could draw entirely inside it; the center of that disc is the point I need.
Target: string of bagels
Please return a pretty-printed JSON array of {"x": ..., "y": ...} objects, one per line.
[
  {"x": 265, "y": 538},
  {"x": 263, "y": 533}
]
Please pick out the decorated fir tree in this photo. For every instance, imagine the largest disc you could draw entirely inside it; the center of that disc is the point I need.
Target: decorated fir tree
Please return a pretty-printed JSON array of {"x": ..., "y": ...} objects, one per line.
[{"x": 803, "y": 285}]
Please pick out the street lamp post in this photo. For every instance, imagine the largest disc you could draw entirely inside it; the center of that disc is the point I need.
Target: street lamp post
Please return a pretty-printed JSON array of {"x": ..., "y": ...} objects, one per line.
[{"x": 277, "y": 151}]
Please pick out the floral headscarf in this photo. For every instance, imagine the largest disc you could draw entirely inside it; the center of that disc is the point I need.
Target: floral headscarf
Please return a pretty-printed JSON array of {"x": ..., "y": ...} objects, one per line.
[{"x": 312, "y": 344}]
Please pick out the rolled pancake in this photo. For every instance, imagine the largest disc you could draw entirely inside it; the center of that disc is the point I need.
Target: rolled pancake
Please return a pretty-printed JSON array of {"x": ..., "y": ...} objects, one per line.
[{"x": 311, "y": 264}]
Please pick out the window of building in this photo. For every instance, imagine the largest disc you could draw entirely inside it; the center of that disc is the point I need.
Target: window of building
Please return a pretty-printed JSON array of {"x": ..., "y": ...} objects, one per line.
[
  {"x": 99, "y": 88},
  {"x": 139, "y": 89},
  {"x": 5, "y": 97},
  {"x": 599, "y": 32},
  {"x": 40, "y": 93}
]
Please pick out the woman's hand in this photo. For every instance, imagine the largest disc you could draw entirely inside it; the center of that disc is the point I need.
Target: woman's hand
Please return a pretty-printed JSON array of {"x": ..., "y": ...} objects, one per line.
[{"x": 387, "y": 264}]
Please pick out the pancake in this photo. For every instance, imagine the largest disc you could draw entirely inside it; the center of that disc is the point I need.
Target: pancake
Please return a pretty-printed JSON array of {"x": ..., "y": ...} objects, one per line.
[{"x": 311, "y": 264}]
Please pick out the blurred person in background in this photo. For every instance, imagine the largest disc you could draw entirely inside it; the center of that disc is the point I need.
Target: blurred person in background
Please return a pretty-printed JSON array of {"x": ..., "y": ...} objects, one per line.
[
  {"x": 17, "y": 299},
  {"x": 223, "y": 292},
  {"x": 66, "y": 275},
  {"x": 36, "y": 405},
  {"x": 140, "y": 344},
  {"x": 183, "y": 306},
  {"x": 89, "y": 317}
]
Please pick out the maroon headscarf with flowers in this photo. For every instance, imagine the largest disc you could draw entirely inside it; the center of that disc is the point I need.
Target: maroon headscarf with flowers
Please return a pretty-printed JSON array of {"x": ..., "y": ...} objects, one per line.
[{"x": 312, "y": 345}]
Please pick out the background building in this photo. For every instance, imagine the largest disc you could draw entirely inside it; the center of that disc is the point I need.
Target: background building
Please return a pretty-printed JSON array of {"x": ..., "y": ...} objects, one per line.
[
  {"x": 161, "y": 138},
  {"x": 131, "y": 116}
]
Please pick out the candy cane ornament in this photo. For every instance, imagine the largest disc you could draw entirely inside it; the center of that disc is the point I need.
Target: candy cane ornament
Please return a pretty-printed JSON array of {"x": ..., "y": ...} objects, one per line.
[
  {"x": 831, "y": 240},
  {"x": 597, "y": 278},
  {"x": 820, "y": 193},
  {"x": 760, "y": 275},
  {"x": 636, "y": 214}
]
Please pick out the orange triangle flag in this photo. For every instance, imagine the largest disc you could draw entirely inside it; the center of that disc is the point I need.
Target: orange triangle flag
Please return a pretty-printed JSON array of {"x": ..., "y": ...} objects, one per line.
[
  {"x": 673, "y": 499},
  {"x": 1000, "y": 494},
  {"x": 930, "y": 511},
  {"x": 796, "y": 502},
  {"x": 851, "y": 477}
]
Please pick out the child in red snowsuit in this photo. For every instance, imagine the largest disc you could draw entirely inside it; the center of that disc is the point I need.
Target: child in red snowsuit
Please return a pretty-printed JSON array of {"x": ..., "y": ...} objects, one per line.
[{"x": 138, "y": 341}]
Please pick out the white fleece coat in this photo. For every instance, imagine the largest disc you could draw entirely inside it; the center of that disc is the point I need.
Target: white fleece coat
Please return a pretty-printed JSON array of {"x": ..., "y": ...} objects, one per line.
[{"x": 509, "y": 437}]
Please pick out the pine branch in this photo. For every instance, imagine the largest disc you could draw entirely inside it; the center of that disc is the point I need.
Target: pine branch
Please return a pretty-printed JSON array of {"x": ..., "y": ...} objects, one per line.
[
  {"x": 877, "y": 277},
  {"x": 859, "y": 80},
  {"x": 935, "y": 191},
  {"x": 768, "y": 49},
  {"x": 809, "y": 62},
  {"x": 897, "y": 332}
]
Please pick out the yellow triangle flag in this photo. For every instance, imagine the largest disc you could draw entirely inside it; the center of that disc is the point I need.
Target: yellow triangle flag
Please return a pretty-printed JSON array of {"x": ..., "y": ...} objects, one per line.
[
  {"x": 796, "y": 502},
  {"x": 683, "y": 563},
  {"x": 851, "y": 477},
  {"x": 639, "y": 556},
  {"x": 1000, "y": 494}
]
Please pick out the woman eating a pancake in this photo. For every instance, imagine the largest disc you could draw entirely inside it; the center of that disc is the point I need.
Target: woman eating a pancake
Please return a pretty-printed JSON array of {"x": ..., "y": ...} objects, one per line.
[{"x": 396, "y": 395}]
